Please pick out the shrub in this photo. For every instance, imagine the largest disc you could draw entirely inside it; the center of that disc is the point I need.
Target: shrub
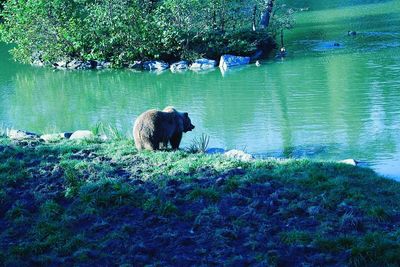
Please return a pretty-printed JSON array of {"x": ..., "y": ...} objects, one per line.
[{"x": 124, "y": 30}]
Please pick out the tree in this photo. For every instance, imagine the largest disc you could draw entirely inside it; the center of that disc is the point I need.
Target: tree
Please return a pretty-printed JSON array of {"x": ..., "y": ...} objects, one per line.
[{"x": 125, "y": 30}]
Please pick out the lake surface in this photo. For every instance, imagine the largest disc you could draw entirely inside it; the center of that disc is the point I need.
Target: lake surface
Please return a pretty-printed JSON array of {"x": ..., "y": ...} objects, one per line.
[{"x": 321, "y": 101}]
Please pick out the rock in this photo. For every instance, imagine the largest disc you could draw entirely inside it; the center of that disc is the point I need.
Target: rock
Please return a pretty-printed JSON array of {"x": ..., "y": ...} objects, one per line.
[
  {"x": 74, "y": 64},
  {"x": 82, "y": 134},
  {"x": 20, "y": 135},
  {"x": 238, "y": 154},
  {"x": 37, "y": 59},
  {"x": 91, "y": 64},
  {"x": 62, "y": 64},
  {"x": 352, "y": 162},
  {"x": 55, "y": 137},
  {"x": 37, "y": 63},
  {"x": 136, "y": 65},
  {"x": 351, "y": 33},
  {"x": 179, "y": 66},
  {"x": 102, "y": 64},
  {"x": 85, "y": 66},
  {"x": 228, "y": 61},
  {"x": 215, "y": 150},
  {"x": 155, "y": 65},
  {"x": 203, "y": 64}
]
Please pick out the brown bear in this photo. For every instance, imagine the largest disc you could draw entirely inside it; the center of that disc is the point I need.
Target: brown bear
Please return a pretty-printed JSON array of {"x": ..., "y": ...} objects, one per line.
[{"x": 154, "y": 128}]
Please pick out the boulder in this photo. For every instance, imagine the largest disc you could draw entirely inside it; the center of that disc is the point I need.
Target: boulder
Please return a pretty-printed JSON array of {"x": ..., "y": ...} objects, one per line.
[
  {"x": 85, "y": 66},
  {"x": 137, "y": 65},
  {"x": 62, "y": 64},
  {"x": 155, "y": 65},
  {"x": 102, "y": 65},
  {"x": 238, "y": 154},
  {"x": 179, "y": 66},
  {"x": 228, "y": 61},
  {"x": 20, "y": 135},
  {"x": 74, "y": 64},
  {"x": 82, "y": 134},
  {"x": 352, "y": 162},
  {"x": 37, "y": 59},
  {"x": 203, "y": 64},
  {"x": 38, "y": 63}
]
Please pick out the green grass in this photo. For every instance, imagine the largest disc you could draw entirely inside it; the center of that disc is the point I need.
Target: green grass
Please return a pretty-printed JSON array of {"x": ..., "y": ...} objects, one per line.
[{"x": 68, "y": 203}]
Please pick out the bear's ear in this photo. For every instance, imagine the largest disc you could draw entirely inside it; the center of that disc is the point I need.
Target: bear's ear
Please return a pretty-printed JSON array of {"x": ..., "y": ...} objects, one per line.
[{"x": 186, "y": 114}]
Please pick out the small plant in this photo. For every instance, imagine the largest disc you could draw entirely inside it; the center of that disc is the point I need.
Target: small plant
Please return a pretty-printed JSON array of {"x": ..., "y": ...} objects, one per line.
[
  {"x": 199, "y": 145},
  {"x": 3, "y": 131},
  {"x": 206, "y": 193},
  {"x": 295, "y": 237},
  {"x": 156, "y": 205},
  {"x": 111, "y": 132},
  {"x": 348, "y": 220},
  {"x": 379, "y": 214}
]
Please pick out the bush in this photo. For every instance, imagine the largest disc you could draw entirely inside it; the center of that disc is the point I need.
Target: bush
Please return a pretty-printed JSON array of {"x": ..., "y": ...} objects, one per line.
[{"x": 121, "y": 31}]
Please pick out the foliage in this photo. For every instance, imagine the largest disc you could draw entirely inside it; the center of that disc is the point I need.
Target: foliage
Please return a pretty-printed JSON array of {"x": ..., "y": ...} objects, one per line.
[
  {"x": 124, "y": 30},
  {"x": 199, "y": 145}
]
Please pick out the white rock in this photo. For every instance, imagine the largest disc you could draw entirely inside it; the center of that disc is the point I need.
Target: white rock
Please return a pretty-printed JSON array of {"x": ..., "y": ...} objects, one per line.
[
  {"x": 228, "y": 61},
  {"x": 352, "y": 162},
  {"x": 74, "y": 64},
  {"x": 19, "y": 135},
  {"x": 238, "y": 154},
  {"x": 62, "y": 64},
  {"x": 179, "y": 66},
  {"x": 155, "y": 65},
  {"x": 82, "y": 134},
  {"x": 203, "y": 64}
]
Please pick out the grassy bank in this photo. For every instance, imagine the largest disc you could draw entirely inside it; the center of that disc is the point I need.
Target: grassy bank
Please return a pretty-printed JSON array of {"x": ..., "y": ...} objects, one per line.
[{"x": 103, "y": 204}]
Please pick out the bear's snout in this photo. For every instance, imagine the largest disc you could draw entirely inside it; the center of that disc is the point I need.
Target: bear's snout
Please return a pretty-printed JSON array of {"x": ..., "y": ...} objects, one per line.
[{"x": 191, "y": 127}]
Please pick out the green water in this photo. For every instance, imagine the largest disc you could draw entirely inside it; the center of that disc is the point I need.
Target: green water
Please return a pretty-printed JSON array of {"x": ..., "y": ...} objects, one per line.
[{"x": 321, "y": 102}]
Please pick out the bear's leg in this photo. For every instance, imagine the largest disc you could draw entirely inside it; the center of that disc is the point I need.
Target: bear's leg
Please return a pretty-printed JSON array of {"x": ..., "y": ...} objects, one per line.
[
  {"x": 176, "y": 140},
  {"x": 151, "y": 145},
  {"x": 164, "y": 145}
]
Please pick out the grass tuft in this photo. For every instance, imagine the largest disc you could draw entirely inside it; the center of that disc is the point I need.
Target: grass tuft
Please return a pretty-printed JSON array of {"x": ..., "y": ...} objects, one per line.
[{"x": 199, "y": 145}]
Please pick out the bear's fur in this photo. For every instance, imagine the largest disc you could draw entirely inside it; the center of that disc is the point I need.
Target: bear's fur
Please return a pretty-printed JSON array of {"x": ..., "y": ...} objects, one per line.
[{"x": 154, "y": 129}]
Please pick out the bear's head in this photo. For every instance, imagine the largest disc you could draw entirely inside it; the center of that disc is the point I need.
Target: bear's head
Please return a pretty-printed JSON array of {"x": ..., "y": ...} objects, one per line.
[
  {"x": 184, "y": 122},
  {"x": 187, "y": 123}
]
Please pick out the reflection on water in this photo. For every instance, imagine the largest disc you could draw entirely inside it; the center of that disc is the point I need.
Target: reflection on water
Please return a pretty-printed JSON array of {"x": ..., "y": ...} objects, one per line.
[{"x": 323, "y": 103}]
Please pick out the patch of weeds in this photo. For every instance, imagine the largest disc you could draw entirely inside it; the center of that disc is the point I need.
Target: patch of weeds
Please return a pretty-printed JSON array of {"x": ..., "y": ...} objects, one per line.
[
  {"x": 111, "y": 132},
  {"x": 157, "y": 205},
  {"x": 200, "y": 144},
  {"x": 12, "y": 172},
  {"x": 379, "y": 214},
  {"x": 375, "y": 249},
  {"x": 232, "y": 183},
  {"x": 108, "y": 193},
  {"x": 73, "y": 180},
  {"x": 295, "y": 237},
  {"x": 18, "y": 213},
  {"x": 334, "y": 244},
  {"x": 206, "y": 193},
  {"x": 348, "y": 220},
  {"x": 50, "y": 210}
]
